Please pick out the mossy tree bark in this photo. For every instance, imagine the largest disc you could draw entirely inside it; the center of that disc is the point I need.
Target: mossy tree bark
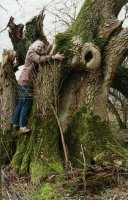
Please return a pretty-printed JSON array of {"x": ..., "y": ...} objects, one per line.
[
  {"x": 8, "y": 97},
  {"x": 72, "y": 97}
]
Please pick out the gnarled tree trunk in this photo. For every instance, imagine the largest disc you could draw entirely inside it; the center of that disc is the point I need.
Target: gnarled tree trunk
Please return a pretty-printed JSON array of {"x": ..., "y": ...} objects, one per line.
[{"x": 71, "y": 97}]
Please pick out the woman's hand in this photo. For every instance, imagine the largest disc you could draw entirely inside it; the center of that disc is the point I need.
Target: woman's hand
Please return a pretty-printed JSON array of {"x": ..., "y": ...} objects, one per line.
[{"x": 58, "y": 56}]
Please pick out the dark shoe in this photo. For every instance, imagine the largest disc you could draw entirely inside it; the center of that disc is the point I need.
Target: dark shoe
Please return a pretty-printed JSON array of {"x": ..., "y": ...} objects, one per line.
[
  {"x": 24, "y": 130},
  {"x": 15, "y": 127}
]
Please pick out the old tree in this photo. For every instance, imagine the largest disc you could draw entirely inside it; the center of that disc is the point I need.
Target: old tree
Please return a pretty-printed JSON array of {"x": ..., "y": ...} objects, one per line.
[{"x": 69, "y": 119}]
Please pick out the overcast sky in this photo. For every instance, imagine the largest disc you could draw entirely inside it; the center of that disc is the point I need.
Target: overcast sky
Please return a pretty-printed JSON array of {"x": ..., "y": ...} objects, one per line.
[{"x": 24, "y": 10}]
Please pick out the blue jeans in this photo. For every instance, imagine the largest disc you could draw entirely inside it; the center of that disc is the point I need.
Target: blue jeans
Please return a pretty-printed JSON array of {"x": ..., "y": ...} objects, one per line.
[{"x": 24, "y": 105}]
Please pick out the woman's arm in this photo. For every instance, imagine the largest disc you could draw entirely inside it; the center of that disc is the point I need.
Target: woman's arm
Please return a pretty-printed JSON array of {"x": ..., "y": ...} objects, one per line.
[{"x": 33, "y": 56}]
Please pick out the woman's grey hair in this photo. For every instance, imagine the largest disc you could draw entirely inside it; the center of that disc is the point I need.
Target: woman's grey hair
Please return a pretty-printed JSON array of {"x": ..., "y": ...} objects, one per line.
[{"x": 35, "y": 44}]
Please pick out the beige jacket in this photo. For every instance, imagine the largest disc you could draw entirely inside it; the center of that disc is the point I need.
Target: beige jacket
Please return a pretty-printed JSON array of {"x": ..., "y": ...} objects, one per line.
[{"x": 31, "y": 66}]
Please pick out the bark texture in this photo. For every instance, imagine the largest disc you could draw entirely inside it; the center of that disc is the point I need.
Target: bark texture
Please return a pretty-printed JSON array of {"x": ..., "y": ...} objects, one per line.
[{"x": 8, "y": 89}]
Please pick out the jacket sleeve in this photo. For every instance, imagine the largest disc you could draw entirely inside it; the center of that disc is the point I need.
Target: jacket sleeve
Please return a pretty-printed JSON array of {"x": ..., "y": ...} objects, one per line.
[{"x": 33, "y": 56}]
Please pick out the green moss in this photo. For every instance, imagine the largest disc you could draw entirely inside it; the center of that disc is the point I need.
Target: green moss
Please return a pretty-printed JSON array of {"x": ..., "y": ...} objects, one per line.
[
  {"x": 86, "y": 26},
  {"x": 99, "y": 143},
  {"x": 48, "y": 192},
  {"x": 82, "y": 26},
  {"x": 64, "y": 45},
  {"x": 57, "y": 167},
  {"x": 20, "y": 151},
  {"x": 100, "y": 42},
  {"x": 24, "y": 168},
  {"x": 40, "y": 170},
  {"x": 46, "y": 157},
  {"x": 46, "y": 133},
  {"x": 37, "y": 171}
]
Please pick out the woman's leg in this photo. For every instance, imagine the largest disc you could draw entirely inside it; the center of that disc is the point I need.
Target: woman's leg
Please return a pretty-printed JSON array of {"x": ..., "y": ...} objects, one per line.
[
  {"x": 16, "y": 115},
  {"x": 26, "y": 106},
  {"x": 25, "y": 112},
  {"x": 17, "y": 112}
]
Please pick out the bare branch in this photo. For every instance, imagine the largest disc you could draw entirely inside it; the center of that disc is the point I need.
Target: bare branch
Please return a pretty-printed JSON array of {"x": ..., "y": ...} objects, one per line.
[
  {"x": 3, "y": 8},
  {"x": 3, "y": 29},
  {"x": 118, "y": 5},
  {"x": 116, "y": 113},
  {"x": 63, "y": 20},
  {"x": 118, "y": 45}
]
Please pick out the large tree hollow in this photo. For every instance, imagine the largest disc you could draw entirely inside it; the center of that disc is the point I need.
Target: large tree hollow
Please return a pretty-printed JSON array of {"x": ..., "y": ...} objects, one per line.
[{"x": 88, "y": 56}]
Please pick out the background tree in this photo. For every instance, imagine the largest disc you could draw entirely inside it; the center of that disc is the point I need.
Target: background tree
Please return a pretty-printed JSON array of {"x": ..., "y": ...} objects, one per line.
[{"x": 71, "y": 98}]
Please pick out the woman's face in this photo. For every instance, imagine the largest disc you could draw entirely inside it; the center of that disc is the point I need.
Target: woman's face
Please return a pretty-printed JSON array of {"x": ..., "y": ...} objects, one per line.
[{"x": 39, "y": 48}]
